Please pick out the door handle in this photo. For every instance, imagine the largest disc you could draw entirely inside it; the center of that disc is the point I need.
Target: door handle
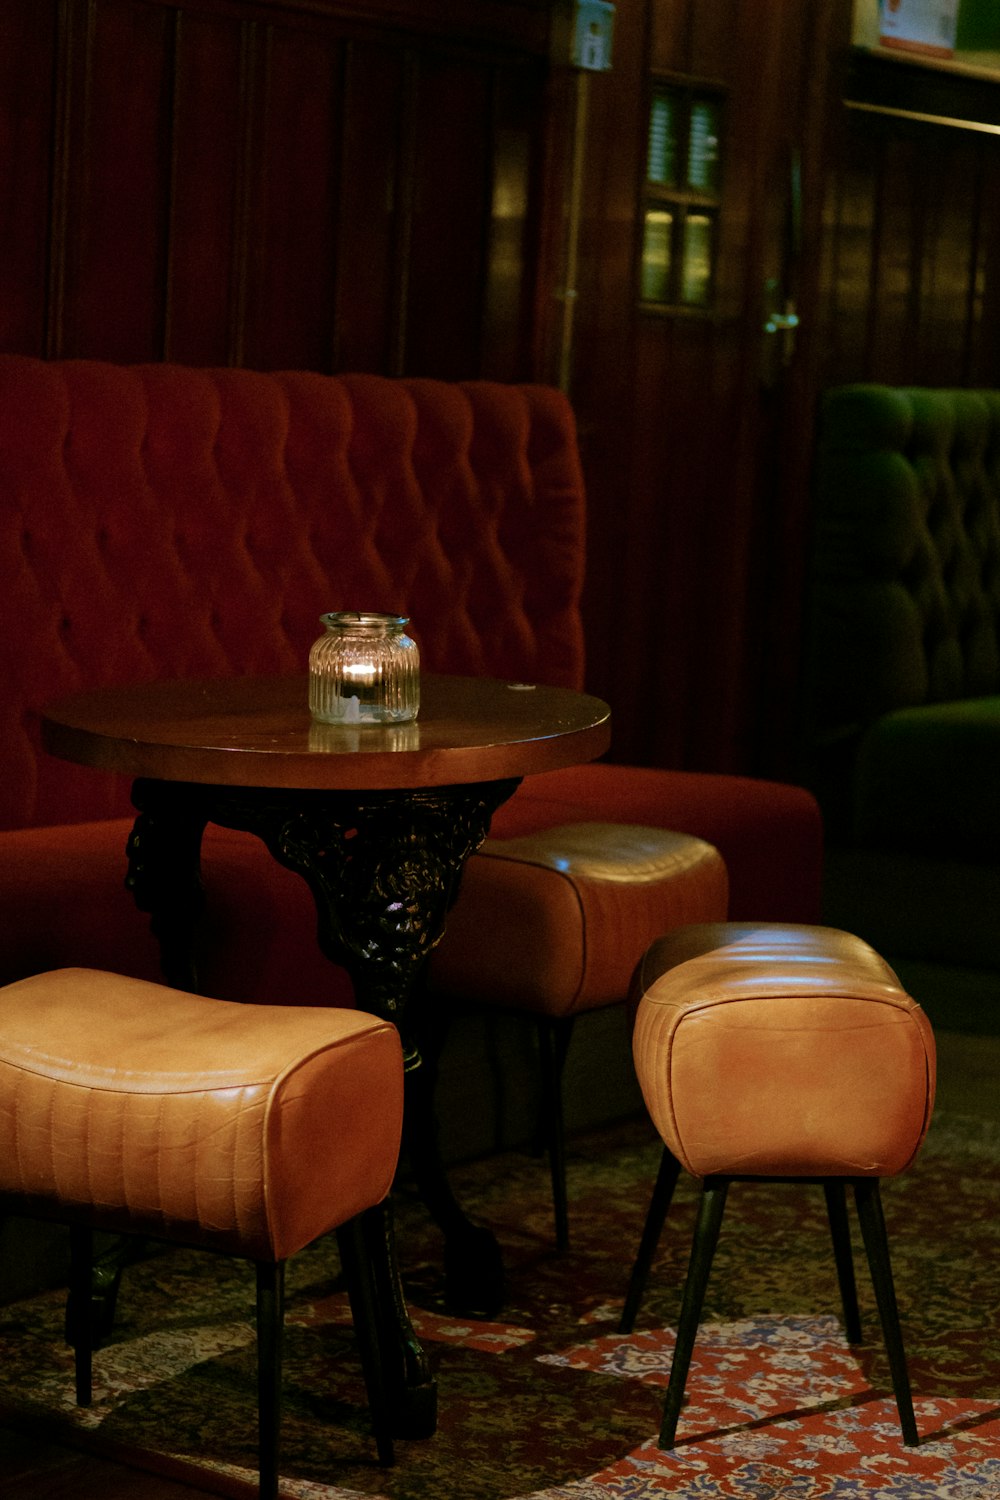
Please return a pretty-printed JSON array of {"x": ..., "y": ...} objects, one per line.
[{"x": 780, "y": 319}]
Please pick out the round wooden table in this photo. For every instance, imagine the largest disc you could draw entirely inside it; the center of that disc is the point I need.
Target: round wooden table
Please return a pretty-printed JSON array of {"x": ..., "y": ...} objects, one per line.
[
  {"x": 379, "y": 821},
  {"x": 257, "y": 731}
]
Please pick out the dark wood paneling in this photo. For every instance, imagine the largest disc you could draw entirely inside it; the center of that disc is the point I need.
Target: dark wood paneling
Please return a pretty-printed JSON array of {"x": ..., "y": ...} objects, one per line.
[
  {"x": 118, "y": 163},
  {"x": 283, "y": 184},
  {"x": 984, "y": 353},
  {"x": 451, "y": 215},
  {"x": 208, "y": 138},
  {"x": 672, "y": 400},
  {"x": 518, "y": 25},
  {"x": 910, "y": 258},
  {"x": 514, "y": 220},
  {"x": 374, "y": 209},
  {"x": 26, "y": 139},
  {"x": 291, "y": 233}
]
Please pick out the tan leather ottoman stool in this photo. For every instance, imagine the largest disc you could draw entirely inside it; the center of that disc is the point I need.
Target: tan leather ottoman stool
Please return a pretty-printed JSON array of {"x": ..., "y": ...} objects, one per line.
[
  {"x": 779, "y": 1052},
  {"x": 552, "y": 924},
  {"x": 249, "y": 1129}
]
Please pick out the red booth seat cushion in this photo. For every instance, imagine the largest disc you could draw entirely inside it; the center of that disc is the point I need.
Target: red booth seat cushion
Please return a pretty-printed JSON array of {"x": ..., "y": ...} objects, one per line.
[
  {"x": 769, "y": 834},
  {"x": 63, "y": 896}
]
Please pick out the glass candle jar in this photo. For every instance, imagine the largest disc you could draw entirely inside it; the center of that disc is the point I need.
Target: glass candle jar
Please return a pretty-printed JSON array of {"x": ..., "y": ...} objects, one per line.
[{"x": 364, "y": 669}]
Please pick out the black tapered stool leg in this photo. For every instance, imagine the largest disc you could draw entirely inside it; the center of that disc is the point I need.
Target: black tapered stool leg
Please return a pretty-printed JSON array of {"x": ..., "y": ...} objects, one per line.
[
  {"x": 869, "y": 1201},
  {"x": 836, "y": 1208},
  {"x": 79, "y": 1325},
  {"x": 553, "y": 1045},
  {"x": 706, "y": 1237},
  {"x": 656, "y": 1217},
  {"x": 270, "y": 1331},
  {"x": 356, "y": 1261}
]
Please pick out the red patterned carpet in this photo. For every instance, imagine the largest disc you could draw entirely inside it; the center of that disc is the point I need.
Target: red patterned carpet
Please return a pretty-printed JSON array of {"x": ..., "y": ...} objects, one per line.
[{"x": 551, "y": 1403}]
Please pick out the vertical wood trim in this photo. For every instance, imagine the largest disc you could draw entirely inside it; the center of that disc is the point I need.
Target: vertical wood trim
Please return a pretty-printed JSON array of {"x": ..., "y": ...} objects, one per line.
[
  {"x": 55, "y": 295},
  {"x": 175, "y": 43},
  {"x": 975, "y": 262},
  {"x": 403, "y": 189},
  {"x": 550, "y": 166},
  {"x": 254, "y": 38},
  {"x": 574, "y": 209},
  {"x": 922, "y": 266},
  {"x": 70, "y": 155},
  {"x": 491, "y": 289},
  {"x": 333, "y": 335},
  {"x": 513, "y": 255},
  {"x": 877, "y": 252}
]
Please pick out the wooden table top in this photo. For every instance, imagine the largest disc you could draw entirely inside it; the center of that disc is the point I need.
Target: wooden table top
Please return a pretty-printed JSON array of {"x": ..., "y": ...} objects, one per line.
[{"x": 257, "y": 731}]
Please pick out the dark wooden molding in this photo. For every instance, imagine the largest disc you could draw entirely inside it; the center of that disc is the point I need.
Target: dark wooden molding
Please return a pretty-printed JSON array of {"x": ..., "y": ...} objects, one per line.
[{"x": 524, "y": 25}]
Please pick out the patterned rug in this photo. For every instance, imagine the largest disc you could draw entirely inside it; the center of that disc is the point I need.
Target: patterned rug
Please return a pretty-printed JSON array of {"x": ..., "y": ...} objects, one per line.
[{"x": 551, "y": 1403}]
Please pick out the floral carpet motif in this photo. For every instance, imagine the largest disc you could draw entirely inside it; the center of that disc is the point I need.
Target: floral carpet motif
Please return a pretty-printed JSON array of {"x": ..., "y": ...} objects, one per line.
[{"x": 549, "y": 1402}]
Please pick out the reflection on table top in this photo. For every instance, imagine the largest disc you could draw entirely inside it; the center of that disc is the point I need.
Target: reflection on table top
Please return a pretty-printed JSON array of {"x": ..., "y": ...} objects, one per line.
[{"x": 257, "y": 731}]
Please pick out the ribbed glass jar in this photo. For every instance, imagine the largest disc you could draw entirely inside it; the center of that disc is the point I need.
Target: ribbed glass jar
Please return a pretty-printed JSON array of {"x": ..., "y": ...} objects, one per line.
[{"x": 364, "y": 669}]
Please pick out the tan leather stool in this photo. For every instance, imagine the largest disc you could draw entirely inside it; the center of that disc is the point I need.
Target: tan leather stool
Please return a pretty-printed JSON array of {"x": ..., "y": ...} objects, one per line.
[
  {"x": 552, "y": 924},
  {"x": 781, "y": 1052},
  {"x": 249, "y": 1129}
]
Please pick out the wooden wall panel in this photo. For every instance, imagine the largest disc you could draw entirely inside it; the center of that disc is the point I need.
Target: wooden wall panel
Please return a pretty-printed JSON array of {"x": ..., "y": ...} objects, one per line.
[
  {"x": 27, "y": 44},
  {"x": 202, "y": 308},
  {"x": 949, "y": 233},
  {"x": 292, "y": 229},
  {"x": 911, "y": 253},
  {"x": 374, "y": 214},
  {"x": 677, "y": 417},
  {"x": 848, "y": 260},
  {"x": 514, "y": 210},
  {"x": 451, "y": 207},
  {"x": 691, "y": 39},
  {"x": 115, "y": 286},
  {"x": 604, "y": 378},
  {"x": 306, "y": 183},
  {"x": 984, "y": 334}
]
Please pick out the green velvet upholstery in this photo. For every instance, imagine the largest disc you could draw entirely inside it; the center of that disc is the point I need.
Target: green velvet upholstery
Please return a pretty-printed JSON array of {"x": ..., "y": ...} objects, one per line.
[
  {"x": 942, "y": 759},
  {"x": 901, "y": 700}
]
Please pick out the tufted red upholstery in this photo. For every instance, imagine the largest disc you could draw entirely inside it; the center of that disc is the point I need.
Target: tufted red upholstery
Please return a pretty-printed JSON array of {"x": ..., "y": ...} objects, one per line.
[
  {"x": 162, "y": 521},
  {"x": 768, "y": 832}
]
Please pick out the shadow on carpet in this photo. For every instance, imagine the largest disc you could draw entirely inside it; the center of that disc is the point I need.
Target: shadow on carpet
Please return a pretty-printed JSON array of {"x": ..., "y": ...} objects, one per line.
[{"x": 551, "y": 1402}]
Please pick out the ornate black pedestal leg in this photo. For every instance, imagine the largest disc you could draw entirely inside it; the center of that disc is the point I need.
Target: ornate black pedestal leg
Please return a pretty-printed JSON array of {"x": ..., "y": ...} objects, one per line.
[
  {"x": 353, "y": 1239},
  {"x": 411, "y": 1390},
  {"x": 384, "y": 869}
]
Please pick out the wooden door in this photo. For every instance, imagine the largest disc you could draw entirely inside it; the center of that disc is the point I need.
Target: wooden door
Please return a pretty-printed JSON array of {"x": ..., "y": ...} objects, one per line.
[{"x": 696, "y": 423}]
